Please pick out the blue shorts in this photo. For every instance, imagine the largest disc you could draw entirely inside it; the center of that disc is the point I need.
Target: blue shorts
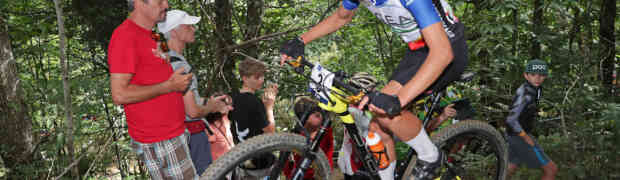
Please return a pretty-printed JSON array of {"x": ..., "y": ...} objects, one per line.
[
  {"x": 200, "y": 151},
  {"x": 522, "y": 153}
]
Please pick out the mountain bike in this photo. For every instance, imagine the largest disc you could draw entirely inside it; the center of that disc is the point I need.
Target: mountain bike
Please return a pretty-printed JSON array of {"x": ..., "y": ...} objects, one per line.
[{"x": 483, "y": 155}]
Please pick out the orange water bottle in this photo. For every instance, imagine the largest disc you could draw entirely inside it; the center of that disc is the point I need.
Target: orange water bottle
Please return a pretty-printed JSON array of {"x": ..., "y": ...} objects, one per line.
[{"x": 377, "y": 149}]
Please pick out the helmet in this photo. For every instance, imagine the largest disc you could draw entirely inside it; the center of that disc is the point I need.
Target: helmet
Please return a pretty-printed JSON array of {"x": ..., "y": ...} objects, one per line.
[
  {"x": 305, "y": 106},
  {"x": 537, "y": 66},
  {"x": 363, "y": 80}
]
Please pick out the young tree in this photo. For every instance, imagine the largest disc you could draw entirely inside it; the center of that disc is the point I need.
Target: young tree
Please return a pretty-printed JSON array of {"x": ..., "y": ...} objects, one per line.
[
  {"x": 537, "y": 22},
  {"x": 608, "y": 41},
  {"x": 66, "y": 85}
]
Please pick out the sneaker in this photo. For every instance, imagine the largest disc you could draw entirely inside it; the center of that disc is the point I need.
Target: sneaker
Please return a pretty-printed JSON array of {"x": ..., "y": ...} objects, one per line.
[{"x": 426, "y": 170}]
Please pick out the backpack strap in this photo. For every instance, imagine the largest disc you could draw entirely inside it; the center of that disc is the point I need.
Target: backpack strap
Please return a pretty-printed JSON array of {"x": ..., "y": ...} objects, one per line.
[{"x": 174, "y": 59}]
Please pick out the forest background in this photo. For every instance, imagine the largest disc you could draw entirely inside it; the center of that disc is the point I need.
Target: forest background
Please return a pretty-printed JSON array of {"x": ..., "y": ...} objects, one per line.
[{"x": 58, "y": 119}]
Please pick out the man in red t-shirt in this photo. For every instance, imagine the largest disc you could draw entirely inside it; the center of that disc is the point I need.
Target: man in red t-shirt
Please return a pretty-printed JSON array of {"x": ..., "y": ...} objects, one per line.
[{"x": 142, "y": 80}]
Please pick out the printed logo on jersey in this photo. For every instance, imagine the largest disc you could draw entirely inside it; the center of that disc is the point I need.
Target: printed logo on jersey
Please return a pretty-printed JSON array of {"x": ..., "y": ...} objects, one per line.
[
  {"x": 377, "y": 2},
  {"x": 241, "y": 134}
]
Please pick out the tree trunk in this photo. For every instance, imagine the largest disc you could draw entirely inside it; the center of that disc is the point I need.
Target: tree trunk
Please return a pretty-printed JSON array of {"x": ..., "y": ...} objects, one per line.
[
  {"x": 515, "y": 33},
  {"x": 575, "y": 30},
  {"x": 608, "y": 41},
  {"x": 537, "y": 21},
  {"x": 16, "y": 131},
  {"x": 223, "y": 32},
  {"x": 66, "y": 85},
  {"x": 254, "y": 23}
]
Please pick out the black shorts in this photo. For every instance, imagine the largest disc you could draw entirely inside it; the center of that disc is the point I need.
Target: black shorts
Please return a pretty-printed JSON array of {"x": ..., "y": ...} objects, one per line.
[
  {"x": 413, "y": 60},
  {"x": 519, "y": 152}
]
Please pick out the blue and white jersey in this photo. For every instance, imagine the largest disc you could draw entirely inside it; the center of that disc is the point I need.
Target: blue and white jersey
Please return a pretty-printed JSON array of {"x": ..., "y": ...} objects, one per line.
[{"x": 407, "y": 17}]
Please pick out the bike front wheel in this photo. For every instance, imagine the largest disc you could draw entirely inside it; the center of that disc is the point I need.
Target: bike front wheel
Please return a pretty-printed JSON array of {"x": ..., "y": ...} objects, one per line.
[
  {"x": 472, "y": 150},
  {"x": 284, "y": 147}
]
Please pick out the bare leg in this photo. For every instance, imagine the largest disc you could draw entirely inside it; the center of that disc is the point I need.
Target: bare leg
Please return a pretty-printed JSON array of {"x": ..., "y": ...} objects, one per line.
[
  {"x": 405, "y": 126},
  {"x": 549, "y": 171},
  {"x": 387, "y": 140}
]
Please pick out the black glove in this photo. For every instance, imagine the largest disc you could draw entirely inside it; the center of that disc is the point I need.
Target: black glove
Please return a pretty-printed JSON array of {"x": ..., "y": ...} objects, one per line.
[
  {"x": 389, "y": 103},
  {"x": 293, "y": 48}
]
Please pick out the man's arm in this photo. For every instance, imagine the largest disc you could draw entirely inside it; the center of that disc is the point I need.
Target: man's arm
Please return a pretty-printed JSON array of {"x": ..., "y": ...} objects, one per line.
[
  {"x": 439, "y": 57},
  {"x": 125, "y": 93},
  {"x": 214, "y": 104},
  {"x": 192, "y": 108},
  {"x": 334, "y": 22}
]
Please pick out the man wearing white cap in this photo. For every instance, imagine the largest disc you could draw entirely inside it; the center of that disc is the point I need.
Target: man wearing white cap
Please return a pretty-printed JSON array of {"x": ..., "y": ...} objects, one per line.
[
  {"x": 142, "y": 80},
  {"x": 178, "y": 28}
]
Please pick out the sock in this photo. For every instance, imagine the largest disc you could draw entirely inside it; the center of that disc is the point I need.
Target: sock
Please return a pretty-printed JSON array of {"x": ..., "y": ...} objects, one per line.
[
  {"x": 427, "y": 151},
  {"x": 388, "y": 172}
]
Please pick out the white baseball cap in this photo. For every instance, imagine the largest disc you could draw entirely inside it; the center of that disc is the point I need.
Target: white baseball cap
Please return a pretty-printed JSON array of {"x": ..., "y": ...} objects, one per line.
[{"x": 175, "y": 18}]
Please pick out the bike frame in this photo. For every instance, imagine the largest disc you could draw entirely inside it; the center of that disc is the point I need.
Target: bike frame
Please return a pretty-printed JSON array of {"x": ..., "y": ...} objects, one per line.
[{"x": 369, "y": 161}]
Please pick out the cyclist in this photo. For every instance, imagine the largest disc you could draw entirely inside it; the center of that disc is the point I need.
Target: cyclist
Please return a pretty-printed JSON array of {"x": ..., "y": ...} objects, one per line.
[
  {"x": 437, "y": 50},
  {"x": 523, "y": 149}
]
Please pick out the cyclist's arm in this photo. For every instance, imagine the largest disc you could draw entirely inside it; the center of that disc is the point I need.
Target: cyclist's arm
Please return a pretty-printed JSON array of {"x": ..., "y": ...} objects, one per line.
[
  {"x": 439, "y": 57},
  {"x": 440, "y": 51},
  {"x": 125, "y": 93},
  {"x": 338, "y": 19}
]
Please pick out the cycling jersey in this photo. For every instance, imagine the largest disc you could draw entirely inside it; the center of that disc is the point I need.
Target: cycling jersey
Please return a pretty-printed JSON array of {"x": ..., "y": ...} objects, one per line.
[
  {"x": 523, "y": 110},
  {"x": 408, "y": 17}
]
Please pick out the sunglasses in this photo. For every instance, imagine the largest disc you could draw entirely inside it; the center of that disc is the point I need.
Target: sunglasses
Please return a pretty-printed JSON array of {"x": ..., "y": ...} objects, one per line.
[{"x": 159, "y": 37}]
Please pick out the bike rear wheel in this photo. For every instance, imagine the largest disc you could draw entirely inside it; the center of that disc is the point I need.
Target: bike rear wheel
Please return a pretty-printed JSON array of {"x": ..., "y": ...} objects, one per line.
[
  {"x": 472, "y": 149},
  {"x": 274, "y": 143}
]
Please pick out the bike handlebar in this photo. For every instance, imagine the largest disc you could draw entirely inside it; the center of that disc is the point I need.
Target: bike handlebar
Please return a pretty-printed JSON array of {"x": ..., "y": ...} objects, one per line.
[
  {"x": 299, "y": 64},
  {"x": 301, "y": 61}
]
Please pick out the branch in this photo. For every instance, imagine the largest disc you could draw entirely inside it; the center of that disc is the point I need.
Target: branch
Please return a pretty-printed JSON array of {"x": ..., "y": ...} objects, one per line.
[
  {"x": 75, "y": 162},
  {"x": 263, "y": 37},
  {"x": 99, "y": 155}
]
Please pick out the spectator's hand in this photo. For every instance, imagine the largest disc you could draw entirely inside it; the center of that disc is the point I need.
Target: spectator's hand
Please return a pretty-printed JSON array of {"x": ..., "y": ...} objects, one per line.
[
  {"x": 219, "y": 104},
  {"x": 179, "y": 81},
  {"x": 291, "y": 49},
  {"x": 448, "y": 112},
  {"x": 269, "y": 96}
]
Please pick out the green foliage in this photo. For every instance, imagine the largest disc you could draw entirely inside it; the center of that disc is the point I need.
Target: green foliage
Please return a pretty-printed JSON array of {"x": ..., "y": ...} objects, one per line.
[{"x": 578, "y": 124}]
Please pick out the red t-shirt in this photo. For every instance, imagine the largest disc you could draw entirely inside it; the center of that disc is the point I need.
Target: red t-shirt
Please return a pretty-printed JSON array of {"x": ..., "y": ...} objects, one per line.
[{"x": 131, "y": 51}]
